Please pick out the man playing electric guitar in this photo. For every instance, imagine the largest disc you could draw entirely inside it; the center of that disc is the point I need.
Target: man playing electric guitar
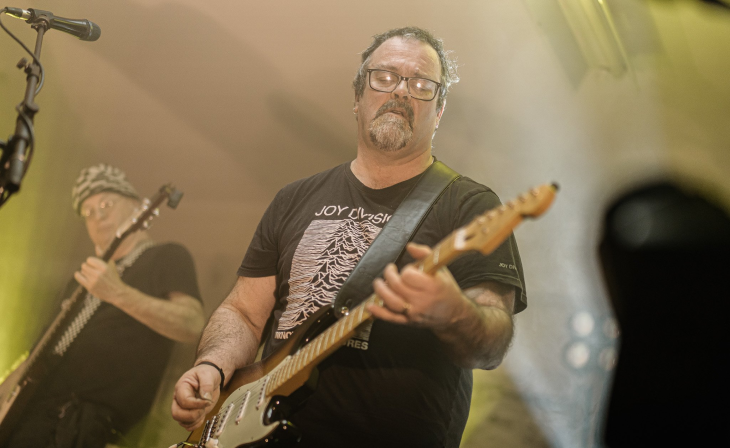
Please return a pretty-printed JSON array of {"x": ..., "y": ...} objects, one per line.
[
  {"x": 106, "y": 375},
  {"x": 404, "y": 380}
]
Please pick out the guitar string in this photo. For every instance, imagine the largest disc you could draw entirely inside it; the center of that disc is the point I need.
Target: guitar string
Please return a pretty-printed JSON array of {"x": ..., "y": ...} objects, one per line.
[
  {"x": 92, "y": 303},
  {"x": 290, "y": 364},
  {"x": 312, "y": 351},
  {"x": 307, "y": 354}
]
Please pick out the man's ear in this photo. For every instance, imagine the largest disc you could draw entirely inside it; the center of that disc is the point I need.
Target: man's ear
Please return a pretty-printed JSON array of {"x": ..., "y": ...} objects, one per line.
[{"x": 440, "y": 113}]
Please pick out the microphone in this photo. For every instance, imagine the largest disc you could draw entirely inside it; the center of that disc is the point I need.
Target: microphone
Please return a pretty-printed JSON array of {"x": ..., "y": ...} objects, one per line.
[{"x": 83, "y": 29}]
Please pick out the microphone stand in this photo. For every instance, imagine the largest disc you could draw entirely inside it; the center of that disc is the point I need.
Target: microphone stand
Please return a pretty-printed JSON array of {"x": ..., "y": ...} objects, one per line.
[{"x": 17, "y": 152}]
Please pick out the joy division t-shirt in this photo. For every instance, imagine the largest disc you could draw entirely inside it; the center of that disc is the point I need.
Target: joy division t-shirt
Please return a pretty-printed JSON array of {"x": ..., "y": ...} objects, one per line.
[{"x": 390, "y": 384}]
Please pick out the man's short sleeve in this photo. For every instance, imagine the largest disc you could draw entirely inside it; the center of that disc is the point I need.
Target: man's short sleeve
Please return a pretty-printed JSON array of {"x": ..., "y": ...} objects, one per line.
[
  {"x": 177, "y": 272},
  {"x": 262, "y": 255},
  {"x": 464, "y": 201},
  {"x": 503, "y": 265}
]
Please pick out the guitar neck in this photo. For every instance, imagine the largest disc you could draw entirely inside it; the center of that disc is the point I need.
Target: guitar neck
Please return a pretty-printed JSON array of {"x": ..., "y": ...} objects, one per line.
[
  {"x": 319, "y": 348},
  {"x": 53, "y": 329},
  {"x": 338, "y": 333}
]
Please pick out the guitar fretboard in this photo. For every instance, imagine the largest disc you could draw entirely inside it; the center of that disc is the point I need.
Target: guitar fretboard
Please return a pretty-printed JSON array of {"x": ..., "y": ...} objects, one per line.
[{"x": 323, "y": 345}]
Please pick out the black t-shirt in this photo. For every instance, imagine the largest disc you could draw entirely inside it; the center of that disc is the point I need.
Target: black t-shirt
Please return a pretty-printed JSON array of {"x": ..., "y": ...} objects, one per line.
[
  {"x": 117, "y": 361},
  {"x": 390, "y": 385}
]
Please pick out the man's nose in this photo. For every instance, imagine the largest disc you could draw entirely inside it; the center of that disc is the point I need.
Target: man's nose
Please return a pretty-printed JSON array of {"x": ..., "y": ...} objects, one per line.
[
  {"x": 401, "y": 90},
  {"x": 99, "y": 214}
]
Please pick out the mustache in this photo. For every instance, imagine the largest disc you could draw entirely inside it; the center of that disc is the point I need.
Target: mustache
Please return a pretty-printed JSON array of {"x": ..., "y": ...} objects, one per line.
[{"x": 393, "y": 104}]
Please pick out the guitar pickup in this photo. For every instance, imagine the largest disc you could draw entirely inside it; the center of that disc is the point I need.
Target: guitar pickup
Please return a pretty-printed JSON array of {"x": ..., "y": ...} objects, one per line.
[
  {"x": 223, "y": 420},
  {"x": 242, "y": 411}
]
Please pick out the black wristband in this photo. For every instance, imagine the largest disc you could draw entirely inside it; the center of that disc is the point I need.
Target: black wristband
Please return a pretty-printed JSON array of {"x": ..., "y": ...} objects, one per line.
[{"x": 208, "y": 363}]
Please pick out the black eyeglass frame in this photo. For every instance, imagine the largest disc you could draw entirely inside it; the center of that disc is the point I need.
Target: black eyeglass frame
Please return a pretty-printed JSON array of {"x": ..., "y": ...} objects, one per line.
[{"x": 401, "y": 78}]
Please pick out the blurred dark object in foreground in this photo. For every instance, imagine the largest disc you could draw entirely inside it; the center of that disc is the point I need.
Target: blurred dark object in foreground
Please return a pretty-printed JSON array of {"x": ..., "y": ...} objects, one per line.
[
  {"x": 665, "y": 255},
  {"x": 725, "y": 3}
]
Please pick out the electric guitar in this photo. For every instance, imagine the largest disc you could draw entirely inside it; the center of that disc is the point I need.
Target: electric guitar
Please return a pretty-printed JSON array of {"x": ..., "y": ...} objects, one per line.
[
  {"x": 17, "y": 389},
  {"x": 253, "y": 407}
]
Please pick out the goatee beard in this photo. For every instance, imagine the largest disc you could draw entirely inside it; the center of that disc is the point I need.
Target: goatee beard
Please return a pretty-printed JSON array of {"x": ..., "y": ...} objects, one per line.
[{"x": 391, "y": 132}]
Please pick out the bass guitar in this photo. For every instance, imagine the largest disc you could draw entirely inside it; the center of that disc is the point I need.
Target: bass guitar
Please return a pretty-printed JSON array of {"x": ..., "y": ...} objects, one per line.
[
  {"x": 17, "y": 389},
  {"x": 254, "y": 405}
]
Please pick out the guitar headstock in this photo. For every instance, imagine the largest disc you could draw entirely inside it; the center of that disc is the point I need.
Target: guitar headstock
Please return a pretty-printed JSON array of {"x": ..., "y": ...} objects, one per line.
[
  {"x": 143, "y": 216},
  {"x": 490, "y": 229}
]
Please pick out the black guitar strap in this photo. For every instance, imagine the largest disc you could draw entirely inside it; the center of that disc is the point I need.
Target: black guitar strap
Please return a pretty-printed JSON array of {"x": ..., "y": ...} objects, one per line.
[{"x": 391, "y": 241}]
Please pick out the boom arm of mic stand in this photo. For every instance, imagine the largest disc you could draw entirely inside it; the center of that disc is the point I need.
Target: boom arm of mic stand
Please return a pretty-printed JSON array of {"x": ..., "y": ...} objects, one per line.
[{"x": 16, "y": 153}]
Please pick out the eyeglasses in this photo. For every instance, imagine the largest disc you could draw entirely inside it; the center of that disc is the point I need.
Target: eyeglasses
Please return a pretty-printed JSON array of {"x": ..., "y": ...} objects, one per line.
[
  {"x": 386, "y": 81},
  {"x": 89, "y": 212}
]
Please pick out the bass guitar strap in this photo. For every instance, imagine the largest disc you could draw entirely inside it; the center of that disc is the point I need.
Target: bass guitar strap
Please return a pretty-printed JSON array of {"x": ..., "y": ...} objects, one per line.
[{"x": 391, "y": 242}]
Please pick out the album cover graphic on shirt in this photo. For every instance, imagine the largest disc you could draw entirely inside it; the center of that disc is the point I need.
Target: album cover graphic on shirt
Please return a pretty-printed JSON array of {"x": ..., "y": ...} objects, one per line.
[{"x": 325, "y": 256}]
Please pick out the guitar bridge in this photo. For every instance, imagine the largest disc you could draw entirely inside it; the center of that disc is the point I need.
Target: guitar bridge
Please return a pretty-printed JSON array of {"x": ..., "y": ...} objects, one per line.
[{"x": 207, "y": 431}]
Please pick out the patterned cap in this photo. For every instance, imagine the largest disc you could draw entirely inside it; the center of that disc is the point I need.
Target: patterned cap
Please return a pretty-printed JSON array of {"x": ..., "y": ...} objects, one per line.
[{"x": 98, "y": 178}]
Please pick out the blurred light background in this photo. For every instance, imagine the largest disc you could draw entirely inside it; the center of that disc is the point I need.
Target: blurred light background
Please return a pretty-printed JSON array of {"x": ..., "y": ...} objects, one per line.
[{"x": 230, "y": 100}]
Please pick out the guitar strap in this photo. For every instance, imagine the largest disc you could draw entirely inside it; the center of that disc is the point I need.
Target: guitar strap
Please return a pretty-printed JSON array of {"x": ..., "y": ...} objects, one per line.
[
  {"x": 92, "y": 303},
  {"x": 391, "y": 242}
]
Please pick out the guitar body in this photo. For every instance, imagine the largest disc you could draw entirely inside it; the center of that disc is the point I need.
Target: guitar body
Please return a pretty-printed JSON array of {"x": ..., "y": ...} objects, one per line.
[
  {"x": 246, "y": 415},
  {"x": 18, "y": 389},
  {"x": 20, "y": 386},
  {"x": 14, "y": 394},
  {"x": 247, "y": 418}
]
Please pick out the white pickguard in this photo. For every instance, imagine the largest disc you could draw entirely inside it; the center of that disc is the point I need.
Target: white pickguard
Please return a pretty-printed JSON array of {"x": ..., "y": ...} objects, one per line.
[{"x": 241, "y": 417}]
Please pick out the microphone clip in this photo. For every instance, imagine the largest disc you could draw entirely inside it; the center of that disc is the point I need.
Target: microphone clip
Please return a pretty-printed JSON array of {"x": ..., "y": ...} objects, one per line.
[{"x": 39, "y": 17}]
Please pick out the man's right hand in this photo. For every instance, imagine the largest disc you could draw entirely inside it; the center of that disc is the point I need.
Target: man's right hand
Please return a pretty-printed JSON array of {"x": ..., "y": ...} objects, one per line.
[{"x": 196, "y": 392}]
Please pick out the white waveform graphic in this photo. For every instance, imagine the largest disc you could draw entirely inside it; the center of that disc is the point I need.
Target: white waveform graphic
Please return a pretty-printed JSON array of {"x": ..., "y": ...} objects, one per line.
[{"x": 324, "y": 258}]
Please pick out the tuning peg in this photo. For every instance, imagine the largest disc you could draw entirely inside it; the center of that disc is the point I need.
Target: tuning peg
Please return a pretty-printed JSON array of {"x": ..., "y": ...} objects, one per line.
[
  {"x": 174, "y": 199},
  {"x": 156, "y": 212}
]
